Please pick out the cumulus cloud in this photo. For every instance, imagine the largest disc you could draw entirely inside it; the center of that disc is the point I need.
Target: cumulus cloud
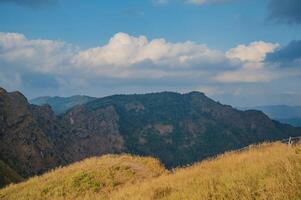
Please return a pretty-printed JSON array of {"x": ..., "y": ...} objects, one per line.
[
  {"x": 262, "y": 62},
  {"x": 252, "y": 67},
  {"x": 125, "y": 52},
  {"x": 287, "y": 11},
  {"x": 254, "y": 52},
  {"x": 45, "y": 56},
  {"x": 126, "y": 56}
]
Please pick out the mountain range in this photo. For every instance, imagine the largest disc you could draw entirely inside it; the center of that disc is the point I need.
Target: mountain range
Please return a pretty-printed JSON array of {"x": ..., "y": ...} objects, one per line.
[
  {"x": 282, "y": 113},
  {"x": 178, "y": 129}
]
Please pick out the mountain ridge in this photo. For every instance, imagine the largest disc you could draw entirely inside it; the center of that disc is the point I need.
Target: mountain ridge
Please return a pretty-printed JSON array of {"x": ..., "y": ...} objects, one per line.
[{"x": 282, "y": 113}]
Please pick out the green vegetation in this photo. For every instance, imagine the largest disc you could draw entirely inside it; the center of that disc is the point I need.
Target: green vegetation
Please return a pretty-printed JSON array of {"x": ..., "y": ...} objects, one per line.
[
  {"x": 8, "y": 175},
  {"x": 266, "y": 171}
]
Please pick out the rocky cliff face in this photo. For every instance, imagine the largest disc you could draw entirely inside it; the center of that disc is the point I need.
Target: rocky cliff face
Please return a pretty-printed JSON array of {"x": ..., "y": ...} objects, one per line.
[
  {"x": 33, "y": 139},
  {"x": 93, "y": 133},
  {"x": 24, "y": 145},
  {"x": 176, "y": 128}
]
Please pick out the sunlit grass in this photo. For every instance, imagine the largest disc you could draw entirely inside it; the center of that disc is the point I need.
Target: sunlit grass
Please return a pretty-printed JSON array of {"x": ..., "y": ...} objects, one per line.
[
  {"x": 267, "y": 172},
  {"x": 88, "y": 179}
]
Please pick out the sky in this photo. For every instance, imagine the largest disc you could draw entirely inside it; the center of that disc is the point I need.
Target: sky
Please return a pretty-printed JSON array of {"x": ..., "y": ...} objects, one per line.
[{"x": 238, "y": 52}]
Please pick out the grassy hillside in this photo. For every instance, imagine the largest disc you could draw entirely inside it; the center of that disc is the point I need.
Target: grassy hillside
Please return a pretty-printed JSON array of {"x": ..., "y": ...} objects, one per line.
[
  {"x": 267, "y": 171},
  {"x": 88, "y": 179},
  {"x": 8, "y": 175},
  {"x": 270, "y": 171}
]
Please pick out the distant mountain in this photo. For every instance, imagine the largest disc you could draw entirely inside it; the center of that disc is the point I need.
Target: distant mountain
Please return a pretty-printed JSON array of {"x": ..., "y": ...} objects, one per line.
[
  {"x": 179, "y": 129},
  {"x": 283, "y": 113},
  {"x": 61, "y": 104}
]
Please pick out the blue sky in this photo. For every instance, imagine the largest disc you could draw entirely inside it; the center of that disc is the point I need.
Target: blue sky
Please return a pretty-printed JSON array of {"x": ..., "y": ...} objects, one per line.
[
  {"x": 220, "y": 47},
  {"x": 85, "y": 24}
]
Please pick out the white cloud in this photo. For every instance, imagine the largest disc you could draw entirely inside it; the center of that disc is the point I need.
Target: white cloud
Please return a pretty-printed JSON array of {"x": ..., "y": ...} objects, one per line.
[
  {"x": 128, "y": 64},
  {"x": 252, "y": 68},
  {"x": 129, "y": 57},
  {"x": 39, "y": 55},
  {"x": 128, "y": 53},
  {"x": 125, "y": 50},
  {"x": 254, "y": 52}
]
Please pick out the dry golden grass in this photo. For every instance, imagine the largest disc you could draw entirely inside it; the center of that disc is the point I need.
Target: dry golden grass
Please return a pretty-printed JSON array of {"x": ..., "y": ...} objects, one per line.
[
  {"x": 263, "y": 172},
  {"x": 93, "y": 178}
]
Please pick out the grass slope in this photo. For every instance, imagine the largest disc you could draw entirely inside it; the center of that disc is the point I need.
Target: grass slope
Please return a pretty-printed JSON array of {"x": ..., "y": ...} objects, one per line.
[
  {"x": 93, "y": 178},
  {"x": 8, "y": 175},
  {"x": 267, "y": 171}
]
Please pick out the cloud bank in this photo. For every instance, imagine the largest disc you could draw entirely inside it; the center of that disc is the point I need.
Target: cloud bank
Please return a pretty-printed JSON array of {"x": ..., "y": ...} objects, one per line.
[{"x": 135, "y": 63}]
